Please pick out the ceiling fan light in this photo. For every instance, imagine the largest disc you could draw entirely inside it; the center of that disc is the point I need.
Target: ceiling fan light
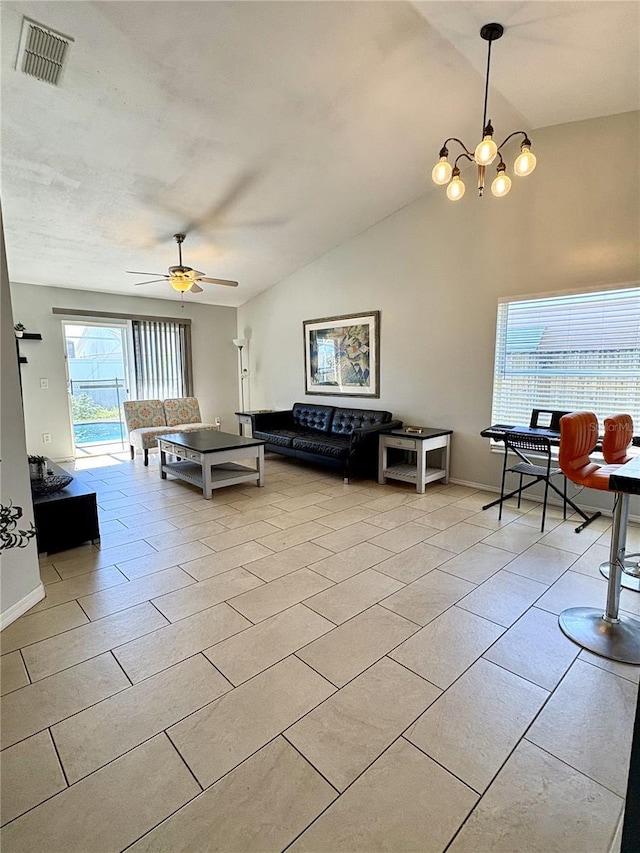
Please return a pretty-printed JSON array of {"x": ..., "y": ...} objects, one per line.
[
  {"x": 180, "y": 283},
  {"x": 525, "y": 162}
]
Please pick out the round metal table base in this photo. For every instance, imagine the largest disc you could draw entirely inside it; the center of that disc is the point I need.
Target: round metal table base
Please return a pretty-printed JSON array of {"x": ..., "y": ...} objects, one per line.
[
  {"x": 585, "y": 626},
  {"x": 628, "y": 579}
]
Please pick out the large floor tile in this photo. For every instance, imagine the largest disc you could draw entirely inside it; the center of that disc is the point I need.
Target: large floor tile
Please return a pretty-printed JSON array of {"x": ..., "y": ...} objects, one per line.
[
  {"x": 343, "y": 518},
  {"x": 94, "y": 560},
  {"x": 33, "y": 627},
  {"x": 413, "y": 563},
  {"x": 100, "y": 734},
  {"x": 349, "y": 730},
  {"x": 165, "y": 559},
  {"x": 503, "y": 598},
  {"x": 247, "y": 533},
  {"x": 443, "y": 649},
  {"x": 204, "y": 594},
  {"x": 273, "y": 566},
  {"x": 110, "y": 809},
  {"x": 347, "y": 537},
  {"x": 428, "y": 597},
  {"x": 575, "y": 589},
  {"x": 401, "y": 538},
  {"x": 182, "y": 535},
  {"x": 393, "y": 518},
  {"x": 125, "y": 595},
  {"x": 458, "y": 537},
  {"x": 87, "y": 641},
  {"x": 624, "y": 670},
  {"x": 404, "y": 802},
  {"x": 447, "y": 516},
  {"x": 38, "y": 706},
  {"x": 176, "y": 642},
  {"x": 30, "y": 774},
  {"x": 514, "y": 537},
  {"x": 271, "y": 598},
  {"x": 284, "y": 520},
  {"x": 13, "y": 673},
  {"x": 539, "y": 630},
  {"x": 345, "y": 564},
  {"x": 349, "y": 649},
  {"x": 565, "y": 538},
  {"x": 63, "y": 591},
  {"x": 217, "y": 738},
  {"x": 477, "y": 563},
  {"x": 292, "y": 536},
  {"x": 542, "y": 563},
  {"x": 352, "y": 596},
  {"x": 250, "y": 652},
  {"x": 122, "y": 535},
  {"x": 472, "y": 728},
  {"x": 539, "y": 804},
  {"x": 588, "y": 723},
  {"x": 218, "y": 562},
  {"x": 260, "y": 807}
]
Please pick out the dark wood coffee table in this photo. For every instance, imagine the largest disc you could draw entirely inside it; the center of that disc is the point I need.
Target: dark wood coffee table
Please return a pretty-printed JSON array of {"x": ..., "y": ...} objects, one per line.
[{"x": 209, "y": 459}]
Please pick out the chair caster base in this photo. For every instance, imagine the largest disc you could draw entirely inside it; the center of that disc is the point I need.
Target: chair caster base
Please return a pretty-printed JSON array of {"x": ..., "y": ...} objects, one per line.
[
  {"x": 629, "y": 576},
  {"x": 616, "y": 641}
]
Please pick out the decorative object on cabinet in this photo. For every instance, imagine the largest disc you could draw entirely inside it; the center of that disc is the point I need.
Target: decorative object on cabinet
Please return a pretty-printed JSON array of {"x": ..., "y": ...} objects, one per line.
[{"x": 342, "y": 355}]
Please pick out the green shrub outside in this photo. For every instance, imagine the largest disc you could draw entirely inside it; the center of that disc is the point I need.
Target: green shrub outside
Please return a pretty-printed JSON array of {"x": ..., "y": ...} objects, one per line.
[{"x": 83, "y": 408}]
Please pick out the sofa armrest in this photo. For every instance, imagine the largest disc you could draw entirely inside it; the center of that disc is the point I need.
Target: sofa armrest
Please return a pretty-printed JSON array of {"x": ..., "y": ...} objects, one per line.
[
  {"x": 266, "y": 421},
  {"x": 363, "y": 433}
]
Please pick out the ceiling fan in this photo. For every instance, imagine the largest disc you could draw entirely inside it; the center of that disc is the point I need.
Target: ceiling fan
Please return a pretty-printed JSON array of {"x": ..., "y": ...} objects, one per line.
[{"x": 183, "y": 278}]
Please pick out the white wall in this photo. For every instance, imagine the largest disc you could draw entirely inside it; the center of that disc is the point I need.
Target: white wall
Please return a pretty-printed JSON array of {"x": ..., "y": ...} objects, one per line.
[
  {"x": 215, "y": 358},
  {"x": 435, "y": 270},
  {"x": 20, "y": 586}
]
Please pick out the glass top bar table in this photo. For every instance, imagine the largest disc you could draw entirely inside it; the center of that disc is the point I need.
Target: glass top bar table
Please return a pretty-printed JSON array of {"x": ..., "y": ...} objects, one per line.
[{"x": 211, "y": 459}]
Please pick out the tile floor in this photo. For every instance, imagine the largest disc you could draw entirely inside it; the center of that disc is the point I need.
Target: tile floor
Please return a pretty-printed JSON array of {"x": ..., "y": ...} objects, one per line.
[{"x": 313, "y": 667}]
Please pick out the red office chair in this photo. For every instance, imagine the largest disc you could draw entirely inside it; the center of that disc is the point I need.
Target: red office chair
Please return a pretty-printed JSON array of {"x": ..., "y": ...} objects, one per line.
[
  {"x": 618, "y": 433},
  {"x": 608, "y": 634}
]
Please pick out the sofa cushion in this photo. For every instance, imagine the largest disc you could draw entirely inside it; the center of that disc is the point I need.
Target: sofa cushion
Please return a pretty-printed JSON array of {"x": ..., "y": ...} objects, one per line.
[
  {"x": 181, "y": 410},
  {"x": 281, "y": 437},
  {"x": 146, "y": 438},
  {"x": 311, "y": 417},
  {"x": 346, "y": 420},
  {"x": 335, "y": 446},
  {"x": 144, "y": 413}
]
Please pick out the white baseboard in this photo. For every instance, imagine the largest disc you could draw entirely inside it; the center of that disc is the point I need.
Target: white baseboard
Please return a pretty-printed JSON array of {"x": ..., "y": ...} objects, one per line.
[{"x": 11, "y": 613}]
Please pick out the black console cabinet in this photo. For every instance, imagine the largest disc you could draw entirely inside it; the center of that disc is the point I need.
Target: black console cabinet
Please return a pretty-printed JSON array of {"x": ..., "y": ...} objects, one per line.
[{"x": 67, "y": 518}]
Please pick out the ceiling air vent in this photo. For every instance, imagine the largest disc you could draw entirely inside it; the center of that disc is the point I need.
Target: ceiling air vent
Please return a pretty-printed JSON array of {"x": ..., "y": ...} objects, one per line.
[{"x": 42, "y": 52}]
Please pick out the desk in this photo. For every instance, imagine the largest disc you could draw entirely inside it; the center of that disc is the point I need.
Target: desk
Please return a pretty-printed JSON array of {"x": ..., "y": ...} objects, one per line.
[
  {"x": 420, "y": 444},
  {"x": 498, "y": 431},
  {"x": 609, "y": 634}
]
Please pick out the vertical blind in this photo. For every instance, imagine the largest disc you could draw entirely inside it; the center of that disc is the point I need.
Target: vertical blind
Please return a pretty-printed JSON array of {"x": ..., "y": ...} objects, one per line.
[
  {"x": 572, "y": 353},
  {"x": 162, "y": 354}
]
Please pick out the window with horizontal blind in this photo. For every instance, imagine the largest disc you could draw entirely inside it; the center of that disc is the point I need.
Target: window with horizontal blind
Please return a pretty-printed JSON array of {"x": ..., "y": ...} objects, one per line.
[
  {"x": 574, "y": 353},
  {"x": 162, "y": 354}
]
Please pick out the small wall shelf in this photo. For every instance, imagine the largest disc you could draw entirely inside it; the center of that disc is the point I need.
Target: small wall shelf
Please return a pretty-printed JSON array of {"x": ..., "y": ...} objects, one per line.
[{"x": 26, "y": 336}]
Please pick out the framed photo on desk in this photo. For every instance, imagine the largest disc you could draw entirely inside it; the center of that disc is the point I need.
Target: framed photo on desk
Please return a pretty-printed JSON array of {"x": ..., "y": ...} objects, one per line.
[{"x": 342, "y": 355}]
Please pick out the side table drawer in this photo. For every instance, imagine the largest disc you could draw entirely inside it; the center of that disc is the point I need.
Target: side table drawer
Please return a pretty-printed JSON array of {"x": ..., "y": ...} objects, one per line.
[{"x": 404, "y": 443}]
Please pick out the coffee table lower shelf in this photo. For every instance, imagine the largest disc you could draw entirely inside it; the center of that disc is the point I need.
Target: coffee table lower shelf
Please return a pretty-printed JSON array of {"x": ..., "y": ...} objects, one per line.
[{"x": 226, "y": 474}]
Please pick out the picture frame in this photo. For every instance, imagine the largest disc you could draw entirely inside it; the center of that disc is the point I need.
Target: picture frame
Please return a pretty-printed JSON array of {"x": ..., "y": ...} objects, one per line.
[{"x": 342, "y": 355}]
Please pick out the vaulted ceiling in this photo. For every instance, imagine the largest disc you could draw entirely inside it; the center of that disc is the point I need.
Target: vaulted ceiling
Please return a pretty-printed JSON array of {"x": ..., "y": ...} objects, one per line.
[{"x": 269, "y": 131}]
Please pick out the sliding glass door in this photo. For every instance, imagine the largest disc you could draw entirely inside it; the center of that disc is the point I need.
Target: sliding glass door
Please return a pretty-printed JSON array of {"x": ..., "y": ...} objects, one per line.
[{"x": 97, "y": 374}]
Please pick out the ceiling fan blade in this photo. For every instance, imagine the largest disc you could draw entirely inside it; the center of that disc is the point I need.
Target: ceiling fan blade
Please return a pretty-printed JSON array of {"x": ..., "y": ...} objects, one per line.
[
  {"x": 153, "y": 281},
  {"x": 195, "y": 289},
  {"x": 219, "y": 281},
  {"x": 198, "y": 273},
  {"x": 133, "y": 272}
]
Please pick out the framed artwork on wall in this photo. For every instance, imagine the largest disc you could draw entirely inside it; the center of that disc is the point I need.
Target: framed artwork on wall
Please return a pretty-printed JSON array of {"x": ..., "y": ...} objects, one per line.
[{"x": 342, "y": 355}]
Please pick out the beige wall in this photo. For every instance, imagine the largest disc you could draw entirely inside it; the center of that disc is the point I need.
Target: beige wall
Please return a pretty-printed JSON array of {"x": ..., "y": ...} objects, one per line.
[
  {"x": 436, "y": 269},
  {"x": 20, "y": 586},
  {"x": 215, "y": 358}
]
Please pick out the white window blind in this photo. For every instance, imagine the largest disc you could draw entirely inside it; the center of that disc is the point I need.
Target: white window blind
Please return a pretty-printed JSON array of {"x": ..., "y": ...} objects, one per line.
[
  {"x": 162, "y": 354},
  {"x": 573, "y": 353}
]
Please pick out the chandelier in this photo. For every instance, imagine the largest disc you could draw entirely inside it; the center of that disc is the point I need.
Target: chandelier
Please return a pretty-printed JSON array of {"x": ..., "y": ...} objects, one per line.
[{"x": 486, "y": 151}]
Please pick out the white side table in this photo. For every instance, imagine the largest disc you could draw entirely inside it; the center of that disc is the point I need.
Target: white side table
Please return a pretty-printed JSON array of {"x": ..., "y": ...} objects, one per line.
[{"x": 421, "y": 444}]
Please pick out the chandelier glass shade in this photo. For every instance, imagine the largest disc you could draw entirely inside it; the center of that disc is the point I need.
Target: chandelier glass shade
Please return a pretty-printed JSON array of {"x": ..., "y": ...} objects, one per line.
[{"x": 486, "y": 150}]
